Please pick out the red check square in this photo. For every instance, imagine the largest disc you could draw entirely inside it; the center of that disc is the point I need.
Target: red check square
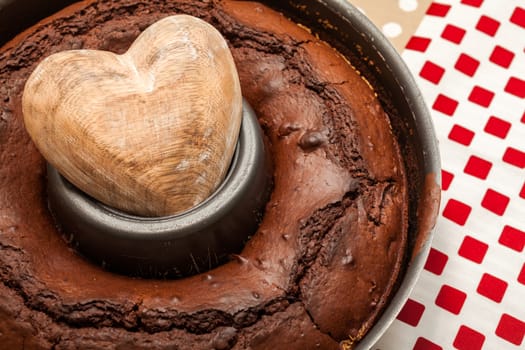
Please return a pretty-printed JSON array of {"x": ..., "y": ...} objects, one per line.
[
  {"x": 474, "y": 3},
  {"x": 513, "y": 238},
  {"x": 516, "y": 87},
  {"x": 446, "y": 179},
  {"x": 478, "y": 167},
  {"x": 436, "y": 261},
  {"x": 492, "y": 287},
  {"x": 481, "y": 96},
  {"x": 518, "y": 17},
  {"x": 445, "y": 105},
  {"x": 432, "y": 72},
  {"x": 495, "y": 202},
  {"x": 515, "y": 157},
  {"x": 425, "y": 344},
  {"x": 487, "y": 25},
  {"x": 501, "y": 56},
  {"x": 457, "y": 211},
  {"x": 511, "y": 329},
  {"x": 461, "y": 135},
  {"x": 497, "y": 127},
  {"x": 453, "y": 33},
  {"x": 418, "y": 43},
  {"x": 467, "y": 64},
  {"x": 438, "y": 10},
  {"x": 473, "y": 250},
  {"x": 521, "y": 276},
  {"x": 451, "y": 299},
  {"x": 411, "y": 312},
  {"x": 468, "y": 339}
]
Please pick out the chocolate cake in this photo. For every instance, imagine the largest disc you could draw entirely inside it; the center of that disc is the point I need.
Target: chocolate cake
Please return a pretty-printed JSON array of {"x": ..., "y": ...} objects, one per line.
[{"x": 329, "y": 250}]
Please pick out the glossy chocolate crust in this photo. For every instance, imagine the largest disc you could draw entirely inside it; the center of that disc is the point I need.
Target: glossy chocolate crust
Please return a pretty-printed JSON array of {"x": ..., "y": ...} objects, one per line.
[{"x": 331, "y": 245}]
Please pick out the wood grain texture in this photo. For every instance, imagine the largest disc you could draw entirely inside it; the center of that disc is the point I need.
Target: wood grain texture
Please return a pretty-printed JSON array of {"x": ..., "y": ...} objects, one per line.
[{"x": 151, "y": 132}]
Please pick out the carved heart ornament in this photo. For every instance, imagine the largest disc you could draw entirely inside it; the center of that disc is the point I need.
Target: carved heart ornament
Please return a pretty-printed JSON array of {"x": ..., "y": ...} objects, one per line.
[{"x": 151, "y": 132}]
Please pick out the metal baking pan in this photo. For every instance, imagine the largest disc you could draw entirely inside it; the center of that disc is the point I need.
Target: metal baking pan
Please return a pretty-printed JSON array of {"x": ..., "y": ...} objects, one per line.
[{"x": 347, "y": 29}]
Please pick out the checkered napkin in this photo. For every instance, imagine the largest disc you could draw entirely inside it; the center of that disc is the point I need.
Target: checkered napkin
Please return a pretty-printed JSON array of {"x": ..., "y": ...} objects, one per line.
[{"x": 468, "y": 58}]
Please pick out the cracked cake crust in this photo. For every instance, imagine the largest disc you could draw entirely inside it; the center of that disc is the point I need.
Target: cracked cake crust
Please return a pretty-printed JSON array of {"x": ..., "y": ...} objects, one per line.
[{"x": 327, "y": 254}]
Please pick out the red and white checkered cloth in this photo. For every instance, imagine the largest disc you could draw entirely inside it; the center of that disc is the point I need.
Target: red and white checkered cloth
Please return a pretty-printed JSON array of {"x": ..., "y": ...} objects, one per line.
[{"x": 468, "y": 58}]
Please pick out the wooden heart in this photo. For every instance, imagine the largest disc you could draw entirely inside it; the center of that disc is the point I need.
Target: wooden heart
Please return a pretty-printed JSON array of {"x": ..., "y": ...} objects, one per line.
[{"x": 151, "y": 132}]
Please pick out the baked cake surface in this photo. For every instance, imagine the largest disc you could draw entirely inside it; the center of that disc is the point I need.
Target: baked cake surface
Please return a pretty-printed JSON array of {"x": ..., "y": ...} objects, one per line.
[{"x": 327, "y": 254}]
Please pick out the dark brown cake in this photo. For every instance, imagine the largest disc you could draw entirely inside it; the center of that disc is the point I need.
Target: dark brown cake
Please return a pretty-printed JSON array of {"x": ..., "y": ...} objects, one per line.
[{"x": 326, "y": 257}]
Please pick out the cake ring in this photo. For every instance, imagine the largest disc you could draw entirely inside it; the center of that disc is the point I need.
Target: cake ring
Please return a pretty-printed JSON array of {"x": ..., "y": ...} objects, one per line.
[{"x": 184, "y": 244}]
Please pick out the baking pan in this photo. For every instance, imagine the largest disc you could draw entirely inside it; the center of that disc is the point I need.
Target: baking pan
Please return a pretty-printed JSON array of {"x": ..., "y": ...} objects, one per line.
[{"x": 347, "y": 29}]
